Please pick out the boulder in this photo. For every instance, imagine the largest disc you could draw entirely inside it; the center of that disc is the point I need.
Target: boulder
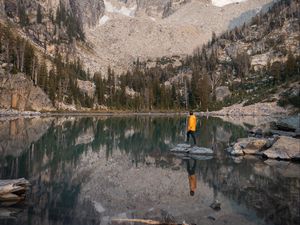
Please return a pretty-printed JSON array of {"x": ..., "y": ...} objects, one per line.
[
  {"x": 286, "y": 148},
  {"x": 236, "y": 150},
  {"x": 222, "y": 92},
  {"x": 255, "y": 146},
  {"x": 252, "y": 146},
  {"x": 289, "y": 124},
  {"x": 284, "y": 133},
  {"x": 186, "y": 148}
]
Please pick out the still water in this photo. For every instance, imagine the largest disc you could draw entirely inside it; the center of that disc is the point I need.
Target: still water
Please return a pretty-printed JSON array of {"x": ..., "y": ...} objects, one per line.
[{"x": 96, "y": 169}]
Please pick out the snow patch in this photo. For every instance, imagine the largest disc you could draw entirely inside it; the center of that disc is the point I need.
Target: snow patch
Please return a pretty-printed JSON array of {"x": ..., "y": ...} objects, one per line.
[
  {"x": 124, "y": 10},
  {"x": 103, "y": 20},
  {"x": 221, "y": 3}
]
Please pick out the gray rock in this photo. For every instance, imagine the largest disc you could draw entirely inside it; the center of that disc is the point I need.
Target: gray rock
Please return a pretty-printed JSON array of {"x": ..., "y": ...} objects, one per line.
[
  {"x": 297, "y": 132},
  {"x": 289, "y": 124},
  {"x": 283, "y": 133},
  {"x": 286, "y": 148},
  {"x": 270, "y": 142},
  {"x": 222, "y": 92},
  {"x": 216, "y": 205},
  {"x": 236, "y": 150},
  {"x": 185, "y": 148},
  {"x": 251, "y": 146}
]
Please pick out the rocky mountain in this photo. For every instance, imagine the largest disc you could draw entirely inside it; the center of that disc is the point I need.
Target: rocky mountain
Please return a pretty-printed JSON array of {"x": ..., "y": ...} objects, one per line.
[
  {"x": 148, "y": 40},
  {"x": 120, "y": 31},
  {"x": 149, "y": 29}
]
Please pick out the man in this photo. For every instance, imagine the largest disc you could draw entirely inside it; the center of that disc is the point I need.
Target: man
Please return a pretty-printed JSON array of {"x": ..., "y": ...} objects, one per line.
[{"x": 191, "y": 128}]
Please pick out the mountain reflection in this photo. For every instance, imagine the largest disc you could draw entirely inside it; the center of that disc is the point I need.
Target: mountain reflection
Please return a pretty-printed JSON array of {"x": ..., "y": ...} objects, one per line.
[{"x": 89, "y": 170}]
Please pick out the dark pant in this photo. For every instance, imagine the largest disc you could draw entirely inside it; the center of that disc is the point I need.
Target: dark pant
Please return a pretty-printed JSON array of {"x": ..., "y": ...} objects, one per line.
[{"x": 188, "y": 136}]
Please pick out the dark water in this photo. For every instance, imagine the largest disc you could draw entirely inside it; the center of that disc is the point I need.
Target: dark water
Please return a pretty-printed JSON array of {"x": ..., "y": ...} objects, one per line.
[{"x": 94, "y": 170}]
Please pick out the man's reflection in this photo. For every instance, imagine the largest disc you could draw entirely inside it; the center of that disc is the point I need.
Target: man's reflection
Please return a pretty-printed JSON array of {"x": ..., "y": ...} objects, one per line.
[{"x": 192, "y": 176}]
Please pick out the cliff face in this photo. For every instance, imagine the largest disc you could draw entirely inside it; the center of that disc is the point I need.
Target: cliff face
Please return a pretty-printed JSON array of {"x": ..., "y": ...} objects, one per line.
[
  {"x": 153, "y": 8},
  {"x": 88, "y": 11},
  {"x": 18, "y": 93}
]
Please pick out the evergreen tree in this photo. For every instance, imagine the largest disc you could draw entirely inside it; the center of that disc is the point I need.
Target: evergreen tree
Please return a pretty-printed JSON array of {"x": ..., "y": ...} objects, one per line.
[{"x": 39, "y": 15}]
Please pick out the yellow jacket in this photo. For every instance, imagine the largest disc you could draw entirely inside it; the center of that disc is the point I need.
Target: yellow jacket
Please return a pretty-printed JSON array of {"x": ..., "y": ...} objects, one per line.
[{"x": 192, "y": 123}]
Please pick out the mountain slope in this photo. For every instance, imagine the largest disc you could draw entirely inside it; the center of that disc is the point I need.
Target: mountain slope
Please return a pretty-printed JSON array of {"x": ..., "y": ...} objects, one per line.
[{"x": 129, "y": 31}]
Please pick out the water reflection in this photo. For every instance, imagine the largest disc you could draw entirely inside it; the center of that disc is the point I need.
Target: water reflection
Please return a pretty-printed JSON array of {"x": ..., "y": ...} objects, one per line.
[{"x": 90, "y": 170}]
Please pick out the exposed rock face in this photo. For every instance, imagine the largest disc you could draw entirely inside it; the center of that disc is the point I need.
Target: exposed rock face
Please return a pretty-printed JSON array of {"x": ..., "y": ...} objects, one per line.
[
  {"x": 285, "y": 148},
  {"x": 20, "y": 94},
  {"x": 153, "y": 8},
  {"x": 87, "y": 87},
  {"x": 90, "y": 11},
  {"x": 150, "y": 29},
  {"x": 222, "y": 92}
]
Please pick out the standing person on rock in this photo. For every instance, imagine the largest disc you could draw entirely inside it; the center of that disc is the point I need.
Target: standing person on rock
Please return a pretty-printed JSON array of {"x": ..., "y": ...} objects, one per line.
[{"x": 191, "y": 127}]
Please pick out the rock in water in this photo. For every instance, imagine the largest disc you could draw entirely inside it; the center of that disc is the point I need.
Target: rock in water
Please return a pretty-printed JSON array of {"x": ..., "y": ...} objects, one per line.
[
  {"x": 186, "y": 148},
  {"x": 251, "y": 146},
  {"x": 286, "y": 148},
  {"x": 216, "y": 205},
  {"x": 289, "y": 124}
]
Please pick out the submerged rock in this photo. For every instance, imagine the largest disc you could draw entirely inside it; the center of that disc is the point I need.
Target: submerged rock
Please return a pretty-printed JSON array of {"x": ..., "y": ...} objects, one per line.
[
  {"x": 216, "y": 205},
  {"x": 286, "y": 148}
]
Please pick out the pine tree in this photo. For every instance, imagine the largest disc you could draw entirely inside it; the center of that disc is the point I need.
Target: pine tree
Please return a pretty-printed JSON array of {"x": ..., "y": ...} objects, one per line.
[{"x": 39, "y": 15}]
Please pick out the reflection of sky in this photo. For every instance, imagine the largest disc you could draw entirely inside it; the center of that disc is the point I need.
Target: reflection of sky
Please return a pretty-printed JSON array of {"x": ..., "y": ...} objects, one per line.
[{"x": 79, "y": 161}]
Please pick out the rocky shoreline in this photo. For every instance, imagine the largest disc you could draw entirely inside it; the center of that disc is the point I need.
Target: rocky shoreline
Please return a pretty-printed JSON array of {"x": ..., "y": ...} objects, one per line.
[
  {"x": 275, "y": 140},
  {"x": 258, "y": 109}
]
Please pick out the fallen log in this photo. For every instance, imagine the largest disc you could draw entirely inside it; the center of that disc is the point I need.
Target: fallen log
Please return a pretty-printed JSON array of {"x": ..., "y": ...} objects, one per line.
[{"x": 13, "y": 191}]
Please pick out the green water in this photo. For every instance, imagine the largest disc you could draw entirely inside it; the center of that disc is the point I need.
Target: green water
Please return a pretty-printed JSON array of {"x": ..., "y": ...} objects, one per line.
[{"x": 93, "y": 170}]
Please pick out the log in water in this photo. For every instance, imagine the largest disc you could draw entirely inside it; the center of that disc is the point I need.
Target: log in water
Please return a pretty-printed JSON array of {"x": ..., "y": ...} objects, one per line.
[{"x": 13, "y": 191}]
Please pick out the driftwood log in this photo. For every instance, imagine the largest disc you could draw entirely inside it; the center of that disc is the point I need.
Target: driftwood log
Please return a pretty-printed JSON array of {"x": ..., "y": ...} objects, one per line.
[{"x": 13, "y": 191}]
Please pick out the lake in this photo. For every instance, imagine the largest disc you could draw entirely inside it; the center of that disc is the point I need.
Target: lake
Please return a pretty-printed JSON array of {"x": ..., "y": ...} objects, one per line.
[{"x": 96, "y": 170}]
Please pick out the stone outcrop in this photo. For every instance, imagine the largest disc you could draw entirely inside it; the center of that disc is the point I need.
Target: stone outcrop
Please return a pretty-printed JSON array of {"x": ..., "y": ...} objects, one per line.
[
  {"x": 222, "y": 92},
  {"x": 87, "y": 87},
  {"x": 18, "y": 93},
  {"x": 286, "y": 148}
]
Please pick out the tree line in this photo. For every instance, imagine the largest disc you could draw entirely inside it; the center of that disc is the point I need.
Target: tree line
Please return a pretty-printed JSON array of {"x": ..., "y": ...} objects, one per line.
[{"x": 143, "y": 88}]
